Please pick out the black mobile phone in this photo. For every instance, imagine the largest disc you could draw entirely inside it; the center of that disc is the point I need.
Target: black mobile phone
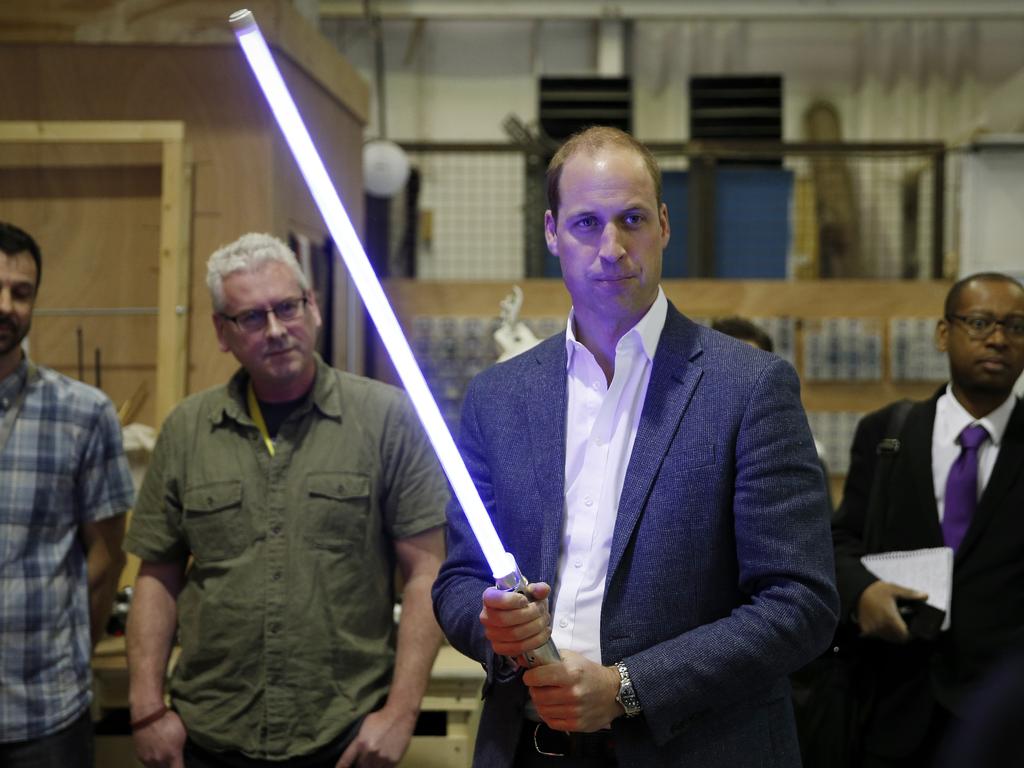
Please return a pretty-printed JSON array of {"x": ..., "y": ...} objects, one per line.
[
  {"x": 908, "y": 607},
  {"x": 924, "y": 621}
]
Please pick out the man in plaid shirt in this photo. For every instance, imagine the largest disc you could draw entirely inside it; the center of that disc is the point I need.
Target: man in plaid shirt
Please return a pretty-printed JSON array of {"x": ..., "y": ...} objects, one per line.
[{"x": 64, "y": 489}]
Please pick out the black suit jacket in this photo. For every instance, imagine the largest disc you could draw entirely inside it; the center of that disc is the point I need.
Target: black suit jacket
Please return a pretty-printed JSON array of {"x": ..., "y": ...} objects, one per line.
[{"x": 988, "y": 573}]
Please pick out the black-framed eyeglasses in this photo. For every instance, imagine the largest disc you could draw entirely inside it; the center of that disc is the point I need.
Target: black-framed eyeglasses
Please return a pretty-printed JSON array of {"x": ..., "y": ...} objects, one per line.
[
  {"x": 255, "y": 320},
  {"x": 982, "y": 326}
]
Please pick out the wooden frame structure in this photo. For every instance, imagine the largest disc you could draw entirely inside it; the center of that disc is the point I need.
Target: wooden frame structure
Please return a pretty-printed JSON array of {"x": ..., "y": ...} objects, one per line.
[{"x": 175, "y": 229}]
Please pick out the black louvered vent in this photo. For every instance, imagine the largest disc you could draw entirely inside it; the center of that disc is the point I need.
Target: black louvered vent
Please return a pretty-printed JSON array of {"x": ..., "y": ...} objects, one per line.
[
  {"x": 744, "y": 108},
  {"x": 568, "y": 104}
]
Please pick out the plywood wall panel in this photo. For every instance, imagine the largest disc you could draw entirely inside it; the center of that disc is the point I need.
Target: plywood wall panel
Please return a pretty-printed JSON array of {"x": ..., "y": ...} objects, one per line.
[
  {"x": 339, "y": 142},
  {"x": 98, "y": 230},
  {"x": 243, "y": 178}
]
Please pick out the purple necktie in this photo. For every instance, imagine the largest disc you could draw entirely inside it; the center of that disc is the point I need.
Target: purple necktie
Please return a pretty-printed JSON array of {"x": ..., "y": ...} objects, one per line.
[{"x": 962, "y": 486}]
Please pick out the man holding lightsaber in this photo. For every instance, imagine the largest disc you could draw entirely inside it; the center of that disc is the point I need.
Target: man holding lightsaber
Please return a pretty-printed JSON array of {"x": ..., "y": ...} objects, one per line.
[
  {"x": 269, "y": 524},
  {"x": 662, "y": 479}
]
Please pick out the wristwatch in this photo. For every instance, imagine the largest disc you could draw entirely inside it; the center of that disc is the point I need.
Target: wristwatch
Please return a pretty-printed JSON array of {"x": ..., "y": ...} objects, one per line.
[{"x": 627, "y": 696}]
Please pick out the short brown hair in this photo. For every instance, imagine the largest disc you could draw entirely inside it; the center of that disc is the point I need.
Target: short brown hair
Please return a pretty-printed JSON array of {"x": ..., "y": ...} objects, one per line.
[{"x": 590, "y": 140}]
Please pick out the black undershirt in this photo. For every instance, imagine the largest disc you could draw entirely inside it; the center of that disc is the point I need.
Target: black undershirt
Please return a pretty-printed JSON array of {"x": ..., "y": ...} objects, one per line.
[{"x": 275, "y": 414}]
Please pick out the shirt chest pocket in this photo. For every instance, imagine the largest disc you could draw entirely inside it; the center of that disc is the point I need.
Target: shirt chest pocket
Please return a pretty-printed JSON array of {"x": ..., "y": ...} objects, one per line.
[
  {"x": 215, "y": 522},
  {"x": 337, "y": 510}
]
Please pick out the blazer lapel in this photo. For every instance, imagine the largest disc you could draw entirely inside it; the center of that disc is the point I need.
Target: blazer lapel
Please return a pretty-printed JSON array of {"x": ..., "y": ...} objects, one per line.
[
  {"x": 543, "y": 406},
  {"x": 1009, "y": 467},
  {"x": 674, "y": 378}
]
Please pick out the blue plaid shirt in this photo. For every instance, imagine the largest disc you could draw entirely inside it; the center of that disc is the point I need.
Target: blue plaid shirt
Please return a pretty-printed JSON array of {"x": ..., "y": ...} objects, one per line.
[{"x": 63, "y": 466}]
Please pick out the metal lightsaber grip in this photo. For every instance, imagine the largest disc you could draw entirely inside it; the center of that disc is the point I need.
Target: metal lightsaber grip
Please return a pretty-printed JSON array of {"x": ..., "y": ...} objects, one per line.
[{"x": 514, "y": 581}]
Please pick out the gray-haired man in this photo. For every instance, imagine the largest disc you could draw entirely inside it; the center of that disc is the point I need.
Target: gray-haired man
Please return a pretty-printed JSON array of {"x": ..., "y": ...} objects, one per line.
[{"x": 294, "y": 489}]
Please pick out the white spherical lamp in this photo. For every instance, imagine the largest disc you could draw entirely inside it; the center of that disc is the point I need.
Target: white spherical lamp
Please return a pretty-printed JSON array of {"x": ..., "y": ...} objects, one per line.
[{"x": 385, "y": 167}]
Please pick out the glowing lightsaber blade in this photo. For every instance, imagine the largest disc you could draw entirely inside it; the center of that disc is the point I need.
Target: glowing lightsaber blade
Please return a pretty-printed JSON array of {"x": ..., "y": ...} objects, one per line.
[{"x": 257, "y": 53}]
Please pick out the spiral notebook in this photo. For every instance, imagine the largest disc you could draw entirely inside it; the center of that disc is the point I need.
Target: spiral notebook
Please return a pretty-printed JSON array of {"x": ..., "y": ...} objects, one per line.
[{"x": 928, "y": 570}]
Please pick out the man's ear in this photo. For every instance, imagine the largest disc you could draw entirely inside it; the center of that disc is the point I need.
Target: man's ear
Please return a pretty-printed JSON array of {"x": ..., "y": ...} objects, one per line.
[
  {"x": 314, "y": 309},
  {"x": 666, "y": 230},
  {"x": 550, "y": 233},
  {"x": 942, "y": 335},
  {"x": 220, "y": 326}
]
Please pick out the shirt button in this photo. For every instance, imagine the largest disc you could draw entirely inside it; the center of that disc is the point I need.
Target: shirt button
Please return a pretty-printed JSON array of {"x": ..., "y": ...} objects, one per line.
[
  {"x": 598, "y": 442},
  {"x": 588, "y": 501},
  {"x": 578, "y": 562},
  {"x": 563, "y": 623},
  {"x": 276, "y": 530},
  {"x": 276, "y": 576},
  {"x": 275, "y": 628},
  {"x": 597, "y": 386}
]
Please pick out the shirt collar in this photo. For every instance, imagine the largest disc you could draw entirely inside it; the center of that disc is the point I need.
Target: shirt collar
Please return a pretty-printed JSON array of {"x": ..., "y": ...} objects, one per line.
[
  {"x": 952, "y": 418},
  {"x": 15, "y": 380},
  {"x": 646, "y": 333},
  {"x": 326, "y": 396}
]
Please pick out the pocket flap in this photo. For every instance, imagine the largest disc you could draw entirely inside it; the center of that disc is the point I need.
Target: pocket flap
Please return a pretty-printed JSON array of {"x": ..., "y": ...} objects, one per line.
[
  {"x": 338, "y": 485},
  {"x": 213, "y": 497}
]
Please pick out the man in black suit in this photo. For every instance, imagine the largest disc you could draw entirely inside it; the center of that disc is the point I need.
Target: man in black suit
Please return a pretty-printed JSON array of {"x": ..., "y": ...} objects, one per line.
[{"x": 919, "y": 685}]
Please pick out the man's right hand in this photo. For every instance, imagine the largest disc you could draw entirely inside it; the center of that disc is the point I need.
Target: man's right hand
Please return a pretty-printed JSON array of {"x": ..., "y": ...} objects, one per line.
[
  {"x": 161, "y": 744},
  {"x": 513, "y": 623},
  {"x": 878, "y": 613}
]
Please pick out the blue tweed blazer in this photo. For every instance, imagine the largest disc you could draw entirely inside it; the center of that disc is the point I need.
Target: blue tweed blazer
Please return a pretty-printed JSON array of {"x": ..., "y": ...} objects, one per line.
[{"x": 720, "y": 579}]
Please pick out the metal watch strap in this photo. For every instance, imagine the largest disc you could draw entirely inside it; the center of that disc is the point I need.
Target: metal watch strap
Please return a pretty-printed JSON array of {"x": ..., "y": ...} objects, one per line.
[{"x": 627, "y": 696}]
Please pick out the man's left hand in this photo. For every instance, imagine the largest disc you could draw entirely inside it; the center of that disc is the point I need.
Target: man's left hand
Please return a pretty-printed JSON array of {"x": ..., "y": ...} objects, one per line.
[
  {"x": 381, "y": 741},
  {"x": 576, "y": 694}
]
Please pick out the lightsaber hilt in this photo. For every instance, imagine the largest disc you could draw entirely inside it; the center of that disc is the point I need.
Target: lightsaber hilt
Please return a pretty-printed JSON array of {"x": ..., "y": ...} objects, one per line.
[{"x": 514, "y": 581}]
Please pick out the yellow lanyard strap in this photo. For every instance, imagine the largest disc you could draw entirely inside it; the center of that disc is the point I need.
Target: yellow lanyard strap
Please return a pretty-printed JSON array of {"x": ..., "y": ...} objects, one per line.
[{"x": 257, "y": 416}]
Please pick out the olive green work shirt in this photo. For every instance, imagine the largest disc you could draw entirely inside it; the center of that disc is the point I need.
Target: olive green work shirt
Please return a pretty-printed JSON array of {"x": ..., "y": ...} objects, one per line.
[{"x": 286, "y": 616}]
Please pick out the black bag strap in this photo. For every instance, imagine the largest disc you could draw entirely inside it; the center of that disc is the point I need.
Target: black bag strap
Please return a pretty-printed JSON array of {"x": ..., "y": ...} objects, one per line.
[{"x": 886, "y": 450}]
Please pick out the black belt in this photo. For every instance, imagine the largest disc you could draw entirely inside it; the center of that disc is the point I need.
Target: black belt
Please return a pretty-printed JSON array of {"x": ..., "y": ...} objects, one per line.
[{"x": 551, "y": 743}]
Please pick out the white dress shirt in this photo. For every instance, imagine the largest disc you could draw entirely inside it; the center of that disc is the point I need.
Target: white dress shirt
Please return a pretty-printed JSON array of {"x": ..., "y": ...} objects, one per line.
[
  {"x": 951, "y": 418},
  {"x": 601, "y": 425}
]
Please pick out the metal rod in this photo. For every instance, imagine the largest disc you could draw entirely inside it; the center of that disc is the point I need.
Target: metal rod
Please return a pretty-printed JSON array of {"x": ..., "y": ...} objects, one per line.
[{"x": 378, "y": 69}]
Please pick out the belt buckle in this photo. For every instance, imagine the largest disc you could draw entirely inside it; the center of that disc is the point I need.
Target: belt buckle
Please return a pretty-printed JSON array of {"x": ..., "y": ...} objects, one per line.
[{"x": 536, "y": 743}]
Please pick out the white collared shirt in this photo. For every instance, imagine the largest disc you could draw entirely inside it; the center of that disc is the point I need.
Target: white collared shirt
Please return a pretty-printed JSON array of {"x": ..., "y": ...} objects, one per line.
[
  {"x": 950, "y": 420},
  {"x": 601, "y": 425}
]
